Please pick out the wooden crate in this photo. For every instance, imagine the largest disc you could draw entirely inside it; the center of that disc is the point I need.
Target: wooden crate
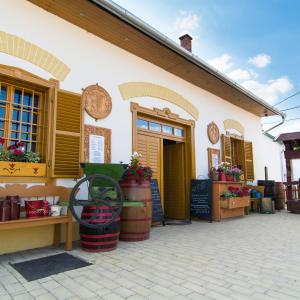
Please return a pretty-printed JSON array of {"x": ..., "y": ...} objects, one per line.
[{"x": 237, "y": 202}]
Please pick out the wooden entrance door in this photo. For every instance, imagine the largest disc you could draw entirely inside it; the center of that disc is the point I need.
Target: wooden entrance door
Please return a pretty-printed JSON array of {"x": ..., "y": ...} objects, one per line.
[
  {"x": 174, "y": 181},
  {"x": 150, "y": 148}
]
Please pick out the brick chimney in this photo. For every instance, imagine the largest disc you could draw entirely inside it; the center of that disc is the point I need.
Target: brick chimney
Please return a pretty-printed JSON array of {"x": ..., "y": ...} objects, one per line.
[{"x": 186, "y": 42}]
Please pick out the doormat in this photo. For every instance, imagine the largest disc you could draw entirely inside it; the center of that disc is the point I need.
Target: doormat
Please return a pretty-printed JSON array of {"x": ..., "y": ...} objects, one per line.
[
  {"x": 49, "y": 265},
  {"x": 177, "y": 222}
]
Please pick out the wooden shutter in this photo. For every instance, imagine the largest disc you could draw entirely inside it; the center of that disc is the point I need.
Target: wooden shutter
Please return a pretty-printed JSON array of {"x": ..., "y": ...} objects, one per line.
[
  {"x": 67, "y": 135},
  {"x": 249, "y": 168},
  {"x": 226, "y": 149},
  {"x": 150, "y": 149}
]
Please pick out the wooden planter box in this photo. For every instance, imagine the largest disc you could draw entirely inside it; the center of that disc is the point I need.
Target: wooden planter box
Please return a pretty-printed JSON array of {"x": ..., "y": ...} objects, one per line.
[
  {"x": 237, "y": 202},
  {"x": 16, "y": 169}
]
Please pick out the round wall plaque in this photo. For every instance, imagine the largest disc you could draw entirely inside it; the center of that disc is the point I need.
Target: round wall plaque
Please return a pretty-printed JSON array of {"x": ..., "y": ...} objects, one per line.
[
  {"x": 97, "y": 101},
  {"x": 213, "y": 132}
]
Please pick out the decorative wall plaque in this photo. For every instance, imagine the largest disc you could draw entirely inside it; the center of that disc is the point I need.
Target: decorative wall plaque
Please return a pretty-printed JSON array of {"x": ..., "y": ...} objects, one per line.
[
  {"x": 90, "y": 154},
  {"x": 213, "y": 132},
  {"x": 213, "y": 158},
  {"x": 97, "y": 101}
]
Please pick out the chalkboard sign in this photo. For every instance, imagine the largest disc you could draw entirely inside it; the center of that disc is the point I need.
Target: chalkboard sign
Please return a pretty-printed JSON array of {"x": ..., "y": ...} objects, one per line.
[
  {"x": 201, "y": 198},
  {"x": 157, "y": 211},
  {"x": 269, "y": 190}
]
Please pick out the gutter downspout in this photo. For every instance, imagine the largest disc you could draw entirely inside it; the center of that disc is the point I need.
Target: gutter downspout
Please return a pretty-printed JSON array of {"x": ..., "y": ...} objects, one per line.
[{"x": 282, "y": 115}]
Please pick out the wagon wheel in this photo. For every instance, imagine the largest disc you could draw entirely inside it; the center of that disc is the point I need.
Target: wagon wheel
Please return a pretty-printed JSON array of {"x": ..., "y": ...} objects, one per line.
[{"x": 97, "y": 190}]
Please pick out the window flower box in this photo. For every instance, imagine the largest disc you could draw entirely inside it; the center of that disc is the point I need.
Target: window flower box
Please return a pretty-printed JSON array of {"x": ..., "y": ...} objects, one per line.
[
  {"x": 16, "y": 169},
  {"x": 236, "y": 202}
]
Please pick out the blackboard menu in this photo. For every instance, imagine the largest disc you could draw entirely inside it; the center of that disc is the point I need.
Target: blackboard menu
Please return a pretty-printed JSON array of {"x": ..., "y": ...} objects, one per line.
[
  {"x": 157, "y": 211},
  {"x": 269, "y": 190},
  {"x": 201, "y": 198}
]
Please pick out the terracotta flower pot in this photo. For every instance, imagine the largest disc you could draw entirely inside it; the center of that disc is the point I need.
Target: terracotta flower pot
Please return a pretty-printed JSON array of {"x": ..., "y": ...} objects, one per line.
[
  {"x": 229, "y": 177},
  {"x": 222, "y": 176}
]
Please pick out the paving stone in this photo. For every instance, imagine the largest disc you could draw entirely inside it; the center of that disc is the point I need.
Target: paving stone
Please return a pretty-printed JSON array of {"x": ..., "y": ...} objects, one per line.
[
  {"x": 166, "y": 292},
  {"x": 142, "y": 291},
  {"x": 50, "y": 285},
  {"x": 61, "y": 293},
  {"x": 47, "y": 296},
  {"x": 25, "y": 296},
  {"x": 14, "y": 288},
  {"x": 180, "y": 290},
  {"x": 38, "y": 292},
  {"x": 113, "y": 296},
  {"x": 124, "y": 292}
]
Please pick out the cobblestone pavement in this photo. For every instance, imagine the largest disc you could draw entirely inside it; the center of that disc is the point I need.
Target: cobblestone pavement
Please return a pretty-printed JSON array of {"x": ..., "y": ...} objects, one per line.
[{"x": 255, "y": 257}]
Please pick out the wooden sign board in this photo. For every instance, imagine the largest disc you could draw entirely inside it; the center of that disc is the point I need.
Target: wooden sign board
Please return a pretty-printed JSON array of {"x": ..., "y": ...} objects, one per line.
[
  {"x": 269, "y": 190},
  {"x": 201, "y": 198},
  {"x": 96, "y": 137},
  {"x": 157, "y": 211}
]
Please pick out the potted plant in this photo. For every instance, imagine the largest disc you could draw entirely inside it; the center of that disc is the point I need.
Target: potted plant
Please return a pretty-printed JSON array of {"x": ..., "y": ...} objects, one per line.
[
  {"x": 15, "y": 161},
  {"x": 229, "y": 175},
  {"x": 136, "y": 171},
  {"x": 214, "y": 174},
  {"x": 236, "y": 173},
  {"x": 222, "y": 169}
]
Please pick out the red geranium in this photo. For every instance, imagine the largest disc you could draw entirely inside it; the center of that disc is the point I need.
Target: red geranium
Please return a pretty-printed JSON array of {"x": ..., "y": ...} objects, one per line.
[
  {"x": 21, "y": 144},
  {"x": 18, "y": 152},
  {"x": 11, "y": 147},
  {"x": 140, "y": 172},
  {"x": 2, "y": 141}
]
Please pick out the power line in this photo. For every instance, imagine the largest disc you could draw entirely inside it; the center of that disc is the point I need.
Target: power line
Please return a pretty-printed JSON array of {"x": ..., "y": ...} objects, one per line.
[
  {"x": 278, "y": 121},
  {"x": 291, "y": 108},
  {"x": 287, "y": 98}
]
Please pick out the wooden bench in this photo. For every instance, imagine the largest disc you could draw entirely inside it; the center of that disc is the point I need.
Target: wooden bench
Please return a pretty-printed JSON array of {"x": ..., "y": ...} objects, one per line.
[{"x": 41, "y": 191}]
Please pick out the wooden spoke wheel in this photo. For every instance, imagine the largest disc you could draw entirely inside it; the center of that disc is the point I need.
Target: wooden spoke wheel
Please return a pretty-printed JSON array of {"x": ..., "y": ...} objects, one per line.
[{"x": 97, "y": 191}]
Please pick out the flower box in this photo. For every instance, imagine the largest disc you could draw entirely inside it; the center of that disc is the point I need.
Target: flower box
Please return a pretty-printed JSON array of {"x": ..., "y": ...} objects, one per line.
[
  {"x": 16, "y": 169},
  {"x": 236, "y": 202}
]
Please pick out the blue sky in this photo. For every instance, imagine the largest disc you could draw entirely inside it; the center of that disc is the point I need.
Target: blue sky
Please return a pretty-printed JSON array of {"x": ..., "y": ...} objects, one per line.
[{"x": 256, "y": 43}]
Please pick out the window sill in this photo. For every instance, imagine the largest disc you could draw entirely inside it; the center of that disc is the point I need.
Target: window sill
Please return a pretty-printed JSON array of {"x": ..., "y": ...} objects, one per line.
[{"x": 22, "y": 169}]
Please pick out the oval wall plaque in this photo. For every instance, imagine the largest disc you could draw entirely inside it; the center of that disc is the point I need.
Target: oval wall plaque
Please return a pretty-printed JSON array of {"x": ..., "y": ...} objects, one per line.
[
  {"x": 213, "y": 132},
  {"x": 97, "y": 101}
]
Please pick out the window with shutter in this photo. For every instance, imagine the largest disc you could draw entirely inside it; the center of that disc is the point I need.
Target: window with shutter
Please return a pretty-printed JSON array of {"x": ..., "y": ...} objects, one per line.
[
  {"x": 249, "y": 167},
  {"x": 226, "y": 149},
  {"x": 67, "y": 135}
]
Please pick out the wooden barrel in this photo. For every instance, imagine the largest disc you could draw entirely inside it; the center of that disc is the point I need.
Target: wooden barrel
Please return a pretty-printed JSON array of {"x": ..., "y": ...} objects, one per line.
[
  {"x": 102, "y": 239},
  {"x": 136, "y": 190},
  {"x": 280, "y": 195},
  {"x": 136, "y": 219},
  {"x": 136, "y": 222}
]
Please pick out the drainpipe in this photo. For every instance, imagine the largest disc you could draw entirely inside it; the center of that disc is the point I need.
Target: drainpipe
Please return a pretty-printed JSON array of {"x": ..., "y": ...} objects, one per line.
[{"x": 282, "y": 115}]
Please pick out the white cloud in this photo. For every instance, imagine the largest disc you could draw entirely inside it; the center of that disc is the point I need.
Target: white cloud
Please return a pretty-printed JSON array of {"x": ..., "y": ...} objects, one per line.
[
  {"x": 239, "y": 75},
  {"x": 187, "y": 22},
  {"x": 271, "y": 90},
  {"x": 222, "y": 63},
  {"x": 260, "y": 60}
]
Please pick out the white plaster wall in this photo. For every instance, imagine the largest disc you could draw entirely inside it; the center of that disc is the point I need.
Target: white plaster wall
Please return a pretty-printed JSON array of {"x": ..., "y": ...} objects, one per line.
[
  {"x": 295, "y": 169},
  {"x": 92, "y": 60}
]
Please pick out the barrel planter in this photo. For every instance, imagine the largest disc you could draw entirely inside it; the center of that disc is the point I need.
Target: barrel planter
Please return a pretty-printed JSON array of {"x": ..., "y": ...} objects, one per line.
[
  {"x": 136, "y": 216},
  {"x": 102, "y": 239}
]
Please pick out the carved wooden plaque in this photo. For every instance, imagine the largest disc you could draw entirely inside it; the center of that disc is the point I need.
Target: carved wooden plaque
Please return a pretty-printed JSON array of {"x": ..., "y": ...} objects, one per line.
[
  {"x": 97, "y": 102},
  {"x": 213, "y": 132},
  {"x": 106, "y": 133}
]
